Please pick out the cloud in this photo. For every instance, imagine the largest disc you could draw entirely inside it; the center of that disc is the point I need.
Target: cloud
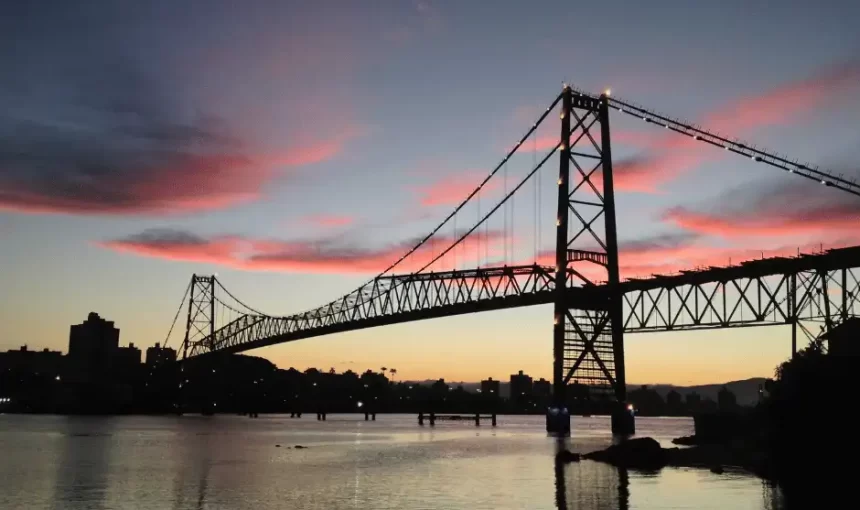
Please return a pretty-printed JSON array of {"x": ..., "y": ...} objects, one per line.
[
  {"x": 156, "y": 168},
  {"x": 795, "y": 210},
  {"x": 666, "y": 158},
  {"x": 87, "y": 128},
  {"x": 453, "y": 189},
  {"x": 331, "y": 255},
  {"x": 782, "y": 104},
  {"x": 328, "y": 220}
]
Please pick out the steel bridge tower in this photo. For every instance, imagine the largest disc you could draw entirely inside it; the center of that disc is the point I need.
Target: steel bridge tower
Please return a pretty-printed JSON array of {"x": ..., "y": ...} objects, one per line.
[
  {"x": 201, "y": 312},
  {"x": 588, "y": 344}
]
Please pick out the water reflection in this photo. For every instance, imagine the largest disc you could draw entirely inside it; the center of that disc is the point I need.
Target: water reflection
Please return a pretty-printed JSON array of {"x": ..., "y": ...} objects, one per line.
[
  {"x": 82, "y": 479},
  {"x": 591, "y": 486},
  {"x": 193, "y": 465}
]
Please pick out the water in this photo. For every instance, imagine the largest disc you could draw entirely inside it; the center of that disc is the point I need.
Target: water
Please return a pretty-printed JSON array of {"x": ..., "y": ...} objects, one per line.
[{"x": 231, "y": 462}]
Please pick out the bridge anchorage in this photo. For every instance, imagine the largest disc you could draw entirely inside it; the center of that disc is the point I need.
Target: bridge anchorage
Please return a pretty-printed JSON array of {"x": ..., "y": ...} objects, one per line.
[{"x": 593, "y": 308}]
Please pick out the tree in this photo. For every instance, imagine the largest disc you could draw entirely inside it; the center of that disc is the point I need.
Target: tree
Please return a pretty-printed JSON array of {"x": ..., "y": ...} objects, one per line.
[{"x": 809, "y": 423}]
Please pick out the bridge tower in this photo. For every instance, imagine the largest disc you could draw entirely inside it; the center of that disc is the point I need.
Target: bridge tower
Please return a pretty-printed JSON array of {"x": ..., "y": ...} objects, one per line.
[
  {"x": 201, "y": 312},
  {"x": 588, "y": 344}
]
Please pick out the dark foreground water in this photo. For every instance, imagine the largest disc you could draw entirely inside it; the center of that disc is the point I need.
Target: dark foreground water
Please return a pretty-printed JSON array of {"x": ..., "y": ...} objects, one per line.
[{"x": 228, "y": 462}]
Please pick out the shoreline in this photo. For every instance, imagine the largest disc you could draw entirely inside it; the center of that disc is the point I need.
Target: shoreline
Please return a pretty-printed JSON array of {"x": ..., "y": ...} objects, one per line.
[{"x": 647, "y": 454}]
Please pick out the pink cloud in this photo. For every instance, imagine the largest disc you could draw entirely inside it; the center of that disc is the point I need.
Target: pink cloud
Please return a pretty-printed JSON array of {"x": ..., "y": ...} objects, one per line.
[
  {"x": 182, "y": 182},
  {"x": 329, "y": 256},
  {"x": 328, "y": 220},
  {"x": 452, "y": 189},
  {"x": 799, "y": 220}
]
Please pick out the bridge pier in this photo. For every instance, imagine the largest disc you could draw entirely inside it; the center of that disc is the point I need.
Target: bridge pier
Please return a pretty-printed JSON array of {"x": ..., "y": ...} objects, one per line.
[
  {"x": 558, "y": 421},
  {"x": 623, "y": 420}
]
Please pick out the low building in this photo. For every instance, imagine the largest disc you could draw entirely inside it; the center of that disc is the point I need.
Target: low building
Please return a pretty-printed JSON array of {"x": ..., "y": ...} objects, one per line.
[
  {"x": 542, "y": 388},
  {"x": 127, "y": 358},
  {"x": 490, "y": 387},
  {"x": 32, "y": 362},
  {"x": 159, "y": 355},
  {"x": 521, "y": 386}
]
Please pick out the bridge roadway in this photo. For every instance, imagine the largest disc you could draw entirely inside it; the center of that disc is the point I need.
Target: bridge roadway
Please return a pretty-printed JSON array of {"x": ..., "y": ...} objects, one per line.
[{"x": 770, "y": 291}]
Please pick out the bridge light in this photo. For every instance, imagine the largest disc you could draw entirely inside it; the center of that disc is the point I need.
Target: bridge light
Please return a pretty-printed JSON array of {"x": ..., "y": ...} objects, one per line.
[
  {"x": 607, "y": 92},
  {"x": 695, "y": 137},
  {"x": 621, "y": 110},
  {"x": 558, "y": 222},
  {"x": 560, "y": 181}
]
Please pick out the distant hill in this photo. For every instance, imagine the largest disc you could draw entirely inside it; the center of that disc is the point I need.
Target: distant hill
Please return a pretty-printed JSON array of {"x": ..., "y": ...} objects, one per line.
[{"x": 746, "y": 390}]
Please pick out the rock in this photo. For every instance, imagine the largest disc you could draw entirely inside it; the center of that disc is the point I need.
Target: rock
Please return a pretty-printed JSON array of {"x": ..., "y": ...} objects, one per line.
[
  {"x": 717, "y": 470},
  {"x": 640, "y": 453},
  {"x": 300, "y": 447},
  {"x": 567, "y": 456},
  {"x": 686, "y": 441}
]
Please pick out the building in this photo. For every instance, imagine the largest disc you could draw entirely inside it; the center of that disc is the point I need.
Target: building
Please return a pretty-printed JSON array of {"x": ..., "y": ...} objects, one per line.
[
  {"x": 93, "y": 343},
  {"x": 521, "y": 389},
  {"x": 126, "y": 358},
  {"x": 159, "y": 355},
  {"x": 32, "y": 362},
  {"x": 542, "y": 388},
  {"x": 490, "y": 387},
  {"x": 844, "y": 339}
]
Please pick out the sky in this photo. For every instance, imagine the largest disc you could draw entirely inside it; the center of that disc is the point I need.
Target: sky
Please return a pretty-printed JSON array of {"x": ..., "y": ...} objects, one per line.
[{"x": 297, "y": 148}]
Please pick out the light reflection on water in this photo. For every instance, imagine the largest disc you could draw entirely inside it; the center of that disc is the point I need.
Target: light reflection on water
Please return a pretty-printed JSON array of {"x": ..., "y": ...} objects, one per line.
[{"x": 190, "y": 462}]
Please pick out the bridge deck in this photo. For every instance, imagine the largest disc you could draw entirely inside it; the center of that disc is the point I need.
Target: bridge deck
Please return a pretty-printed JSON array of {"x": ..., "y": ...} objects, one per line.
[{"x": 738, "y": 295}]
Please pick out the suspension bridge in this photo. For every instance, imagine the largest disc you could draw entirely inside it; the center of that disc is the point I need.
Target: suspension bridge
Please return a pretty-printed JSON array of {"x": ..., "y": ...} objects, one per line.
[{"x": 454, "y": 271}]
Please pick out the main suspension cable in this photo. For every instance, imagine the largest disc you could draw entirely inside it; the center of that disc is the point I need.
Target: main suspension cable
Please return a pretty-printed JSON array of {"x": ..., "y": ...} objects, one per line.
[
  {"x": 736, "y": 146},
  {"x": 178, "y": 311}
]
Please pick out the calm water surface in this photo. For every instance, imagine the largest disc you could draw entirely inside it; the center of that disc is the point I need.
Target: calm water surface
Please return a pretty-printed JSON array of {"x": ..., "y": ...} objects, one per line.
[{"x": 228, "y": 462}]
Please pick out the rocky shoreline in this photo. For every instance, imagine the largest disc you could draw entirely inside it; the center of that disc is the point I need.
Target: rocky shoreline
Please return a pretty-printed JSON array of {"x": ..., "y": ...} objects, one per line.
[{"x": 647, "y": 454}]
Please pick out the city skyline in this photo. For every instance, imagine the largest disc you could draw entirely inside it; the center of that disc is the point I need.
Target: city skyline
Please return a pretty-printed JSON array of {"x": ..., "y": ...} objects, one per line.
[{"x": 322, "y": 166}]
